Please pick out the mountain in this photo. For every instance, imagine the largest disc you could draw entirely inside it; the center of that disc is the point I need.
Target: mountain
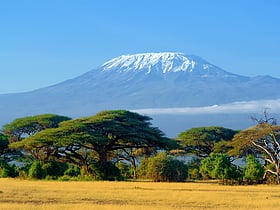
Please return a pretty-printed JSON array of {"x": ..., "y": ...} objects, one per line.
[{"x": 140, "y": 81}]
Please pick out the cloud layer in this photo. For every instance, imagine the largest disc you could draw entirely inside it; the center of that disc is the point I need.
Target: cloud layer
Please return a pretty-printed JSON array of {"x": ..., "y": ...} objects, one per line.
[{"x": 272, "y": 106}]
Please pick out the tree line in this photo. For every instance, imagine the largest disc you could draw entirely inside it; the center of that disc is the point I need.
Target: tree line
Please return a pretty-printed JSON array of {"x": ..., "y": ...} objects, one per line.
[{"x": 119, "y": 145}]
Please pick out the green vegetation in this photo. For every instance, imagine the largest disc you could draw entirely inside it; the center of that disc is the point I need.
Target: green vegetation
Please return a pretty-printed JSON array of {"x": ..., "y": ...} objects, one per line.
[
  {"x": 204, "y": 140},
  {"x": 219, "y": 166},
  {"x": 262, "y": 140},
  {"x": 163, "y": 168},
  {"x": 4, "y": 142},
  {"x": 23, "y": 127},
  {"x": 120, "y": 145},
  {"x": 254, "y": 171}
]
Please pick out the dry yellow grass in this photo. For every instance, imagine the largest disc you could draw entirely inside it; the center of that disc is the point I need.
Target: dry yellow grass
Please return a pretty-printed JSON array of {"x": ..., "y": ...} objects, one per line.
[{"x": 49, "y": 195}]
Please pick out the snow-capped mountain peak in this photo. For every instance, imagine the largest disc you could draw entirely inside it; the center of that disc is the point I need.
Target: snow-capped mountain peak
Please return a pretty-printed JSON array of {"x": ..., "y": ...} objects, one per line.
[
  {"x": 145, "y": 81},
  {"x": 160, "y": 62}
]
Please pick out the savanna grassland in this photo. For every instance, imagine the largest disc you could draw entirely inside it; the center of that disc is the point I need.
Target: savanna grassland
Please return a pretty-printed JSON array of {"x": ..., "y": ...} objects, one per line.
[{"x": 28, "y": 195}]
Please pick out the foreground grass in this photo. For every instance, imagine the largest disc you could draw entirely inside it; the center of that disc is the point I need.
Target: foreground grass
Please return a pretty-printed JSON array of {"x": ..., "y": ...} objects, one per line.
[{"x": 49, "y": 195}]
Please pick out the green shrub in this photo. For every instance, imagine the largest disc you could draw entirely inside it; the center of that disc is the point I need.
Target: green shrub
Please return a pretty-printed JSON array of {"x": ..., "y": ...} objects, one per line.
[
  {"x": 193, "y": 169},
  {"x": 54, "y": 169},
  {"x": 125, "y": 170},
  {"x": 254, "y": 170},
  {"x": 72, "y": 171},
  {"x": 107, "y": 171},
  {"x": 4, "y": 172},
  {"x": 46, "y": 170},
  {"x": 219, "y": 166},
  {"x": 36, "y": 171},
  {"x": 163, "y": 168},
  {"x": 7, "y": 170}
]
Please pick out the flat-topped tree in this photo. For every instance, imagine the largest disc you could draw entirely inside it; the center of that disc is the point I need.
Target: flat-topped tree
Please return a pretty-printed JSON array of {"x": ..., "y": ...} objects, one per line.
[
  {"x": 24, "y": 127},
  {"x": 202, "y": 141},
  {"x": 97, "y": 138},
  {"x": 27, "y": 126}
]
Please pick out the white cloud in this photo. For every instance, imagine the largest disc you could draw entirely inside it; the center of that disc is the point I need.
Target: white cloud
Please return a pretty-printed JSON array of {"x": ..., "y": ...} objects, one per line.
[{"x": 272, "y": 106}]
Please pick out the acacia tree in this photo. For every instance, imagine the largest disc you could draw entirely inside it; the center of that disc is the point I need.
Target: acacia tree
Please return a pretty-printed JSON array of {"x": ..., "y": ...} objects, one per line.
[
  {"x": 27, "y": 126},
  {"x": 22, "y": 128},
  {"x": 95, "y": 138},
  {"x": 264, "y": 140},
  {"x": 202, "y": 141}
]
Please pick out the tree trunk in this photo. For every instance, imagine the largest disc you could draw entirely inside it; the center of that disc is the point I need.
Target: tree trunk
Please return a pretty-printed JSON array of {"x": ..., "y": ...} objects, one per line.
[
  {"x": 85, "y": 168},
  {"x": 133, "y": 164},
  {"x": 102, "y": 157}
]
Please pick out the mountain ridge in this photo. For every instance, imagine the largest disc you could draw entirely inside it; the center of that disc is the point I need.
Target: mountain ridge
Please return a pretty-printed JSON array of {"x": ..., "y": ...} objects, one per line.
[
  {"x": 164, "y": 62},
  {"x": 141, "y": 81}
]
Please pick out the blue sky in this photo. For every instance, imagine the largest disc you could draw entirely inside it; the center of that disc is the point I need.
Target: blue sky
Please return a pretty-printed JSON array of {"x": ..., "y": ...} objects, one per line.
[{"x": 43, "y": 42}]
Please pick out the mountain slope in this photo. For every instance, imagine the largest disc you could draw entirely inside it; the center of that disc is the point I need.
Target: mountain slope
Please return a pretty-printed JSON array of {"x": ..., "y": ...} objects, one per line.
[
  {"x": 148, "y": 80},
  {"x": 163, "y": 80}
]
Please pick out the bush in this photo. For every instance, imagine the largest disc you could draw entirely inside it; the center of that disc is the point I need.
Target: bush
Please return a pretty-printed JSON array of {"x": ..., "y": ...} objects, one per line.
[
  {"x": 163, "y": 168},
  {"x": 107, "y": 171},
  {"x": 125, "y": 170},
  {"x": 54, "y": 169},
  {"x": 193, "y": 169},
  {"x": 36, "y": 171},
  {"x": 218, "y": 166},
  {"x": 254, "y": 171},
  {"x": 7, "y": 170},
  {"x": 48, "y": 170},
  {"x": 72, "y": 171}
]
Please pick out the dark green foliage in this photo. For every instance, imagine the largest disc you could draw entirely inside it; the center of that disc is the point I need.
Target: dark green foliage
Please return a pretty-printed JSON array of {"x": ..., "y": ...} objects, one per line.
[
  {"x": 54, "y": 169},
  {"x": 126, "y": 170},
  {"x": 163, "y": 168},
  {"x": 204, "y": 140},
  {"x": 36, "y": 171},
  {"x": 193, "y": 169},
  {"x": 51, "y": 169},
  {"x": 72, "y": 171},
  {"x": 254, "y": 170},
  {"x": 107, "y": 171},
  {"x": 7, "y": 170},
  {"x": 4, "y": 142},
  {"x": 218, "y": 166}
]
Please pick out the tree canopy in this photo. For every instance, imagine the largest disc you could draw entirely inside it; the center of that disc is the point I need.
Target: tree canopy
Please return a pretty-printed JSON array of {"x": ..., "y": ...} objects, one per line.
[
  {"x": 202, "y": 141},
  {"x": 96, "y": 138},
  {"x": 23, "y": 127}
]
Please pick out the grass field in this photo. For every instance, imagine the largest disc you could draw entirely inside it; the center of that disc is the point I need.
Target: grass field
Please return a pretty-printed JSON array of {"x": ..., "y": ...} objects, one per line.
[{"x": 49, "y": 195}]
